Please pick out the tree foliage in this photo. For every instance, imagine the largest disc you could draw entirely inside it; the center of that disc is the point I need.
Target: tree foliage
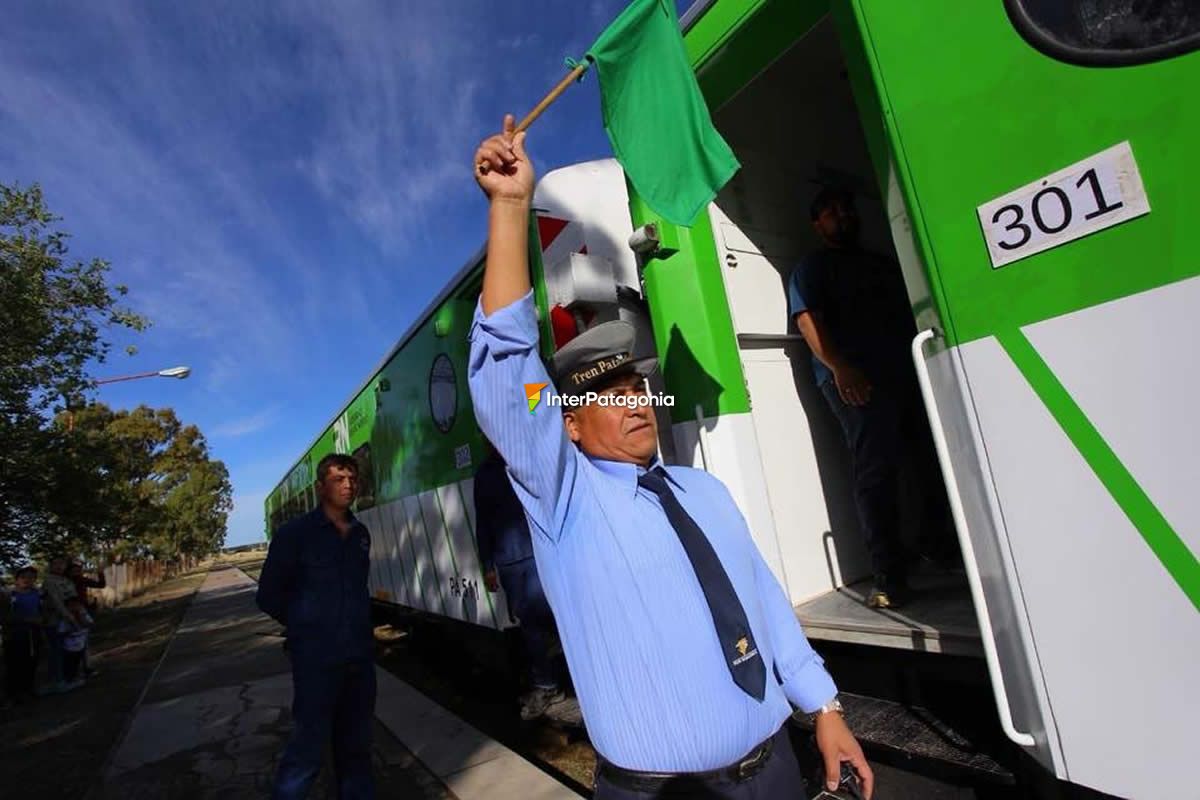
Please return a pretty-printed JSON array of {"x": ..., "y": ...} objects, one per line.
[
  {"x": 92, "y": 480},
  {"x": 136, "y": 483}
]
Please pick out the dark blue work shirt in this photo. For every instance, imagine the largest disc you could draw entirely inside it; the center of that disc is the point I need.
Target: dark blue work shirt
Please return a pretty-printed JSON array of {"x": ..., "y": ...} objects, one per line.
[
  {"x": 501, "y": 529},
  {"x": 860, "y": 298},
  {"x": 314, "y": 583}
]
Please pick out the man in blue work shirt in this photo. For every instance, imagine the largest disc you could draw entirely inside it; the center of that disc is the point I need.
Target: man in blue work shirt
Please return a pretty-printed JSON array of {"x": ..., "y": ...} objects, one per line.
[
  {"x": 314, "y": 583},
  {"x": 682, "y": 645},
  {"x": 506, "y": 553},
  {"x": 851, "y": 307}
]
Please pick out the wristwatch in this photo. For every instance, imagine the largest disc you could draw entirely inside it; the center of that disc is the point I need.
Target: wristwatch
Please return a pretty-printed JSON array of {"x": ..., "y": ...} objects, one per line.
[{"x": 834, "y": 705}]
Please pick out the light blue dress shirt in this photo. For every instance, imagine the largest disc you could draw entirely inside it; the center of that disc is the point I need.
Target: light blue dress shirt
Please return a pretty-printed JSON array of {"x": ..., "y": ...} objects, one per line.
[{"x": 655, "y": 689}]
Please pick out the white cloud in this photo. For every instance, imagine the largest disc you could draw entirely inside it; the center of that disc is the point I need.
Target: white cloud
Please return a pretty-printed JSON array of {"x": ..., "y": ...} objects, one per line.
[{"x": 247, "y": 425}]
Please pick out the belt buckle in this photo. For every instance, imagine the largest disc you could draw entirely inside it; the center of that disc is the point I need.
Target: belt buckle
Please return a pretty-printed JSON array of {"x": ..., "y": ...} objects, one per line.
[{"x": 751, "y": 765}]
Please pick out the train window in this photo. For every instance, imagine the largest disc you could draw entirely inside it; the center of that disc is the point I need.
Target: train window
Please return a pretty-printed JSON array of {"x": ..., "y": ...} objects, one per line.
[
  {"x": 443, "y": 393},
  {"x": 1108, "y": 32}
]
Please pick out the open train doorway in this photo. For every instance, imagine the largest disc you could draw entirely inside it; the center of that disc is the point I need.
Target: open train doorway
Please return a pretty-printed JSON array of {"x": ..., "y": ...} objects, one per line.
[{"x": 797, "y": 130}]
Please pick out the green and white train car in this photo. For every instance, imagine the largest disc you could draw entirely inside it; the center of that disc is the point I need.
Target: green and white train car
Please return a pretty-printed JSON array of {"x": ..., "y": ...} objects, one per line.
[{"x": 1029, "y": 165}]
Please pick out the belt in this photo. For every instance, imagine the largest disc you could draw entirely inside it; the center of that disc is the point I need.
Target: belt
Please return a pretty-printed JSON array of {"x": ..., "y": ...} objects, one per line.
[{"x": 633, "y": 780}]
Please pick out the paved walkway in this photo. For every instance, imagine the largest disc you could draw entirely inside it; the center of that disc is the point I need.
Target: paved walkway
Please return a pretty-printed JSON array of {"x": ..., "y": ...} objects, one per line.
[{"x": 216, "y": 716}]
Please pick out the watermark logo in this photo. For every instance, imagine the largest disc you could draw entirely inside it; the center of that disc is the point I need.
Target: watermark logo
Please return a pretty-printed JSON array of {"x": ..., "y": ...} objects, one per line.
[
  {"x": 533, "y": 394},
  {"x": 533, "y": 398},
  {"x": 603, "y": 399}
]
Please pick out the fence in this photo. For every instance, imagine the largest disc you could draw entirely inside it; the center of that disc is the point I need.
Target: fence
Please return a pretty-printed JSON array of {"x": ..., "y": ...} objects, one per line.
[{"x": 131, "y": 578}]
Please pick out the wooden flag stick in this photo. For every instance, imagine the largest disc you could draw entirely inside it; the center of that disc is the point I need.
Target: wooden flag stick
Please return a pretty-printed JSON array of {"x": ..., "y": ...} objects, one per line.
[{"x": 571, "y": 77}]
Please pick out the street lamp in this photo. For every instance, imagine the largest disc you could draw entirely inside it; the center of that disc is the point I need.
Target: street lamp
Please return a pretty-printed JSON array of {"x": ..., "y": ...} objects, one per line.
[
  {"x": 173, "y": 372},
  {"x": 170, "y": 372}
]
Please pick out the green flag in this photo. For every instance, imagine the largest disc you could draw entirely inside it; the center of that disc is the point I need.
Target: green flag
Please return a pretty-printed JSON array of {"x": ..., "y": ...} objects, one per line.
[{"x": 655, "y": 116}]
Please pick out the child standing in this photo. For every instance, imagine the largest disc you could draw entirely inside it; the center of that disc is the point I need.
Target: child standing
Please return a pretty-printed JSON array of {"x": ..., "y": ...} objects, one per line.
[
  {"x": 21, "y": 617},
  {"x": 73, "y": 628}
]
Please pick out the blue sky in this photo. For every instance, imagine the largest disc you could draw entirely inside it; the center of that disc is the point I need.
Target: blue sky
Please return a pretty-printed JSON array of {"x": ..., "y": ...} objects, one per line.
[{"x": 282, "y": 186}]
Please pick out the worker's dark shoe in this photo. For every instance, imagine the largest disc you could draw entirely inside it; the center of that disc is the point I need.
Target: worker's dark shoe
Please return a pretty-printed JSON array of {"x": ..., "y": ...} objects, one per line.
[{"x": 888, "y": 593}]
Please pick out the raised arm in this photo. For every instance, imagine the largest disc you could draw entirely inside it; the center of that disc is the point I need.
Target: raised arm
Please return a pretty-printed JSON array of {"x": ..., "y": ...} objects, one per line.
[
  {"x": 504, "y": 343},
  {"x": 505, "y": 174}
]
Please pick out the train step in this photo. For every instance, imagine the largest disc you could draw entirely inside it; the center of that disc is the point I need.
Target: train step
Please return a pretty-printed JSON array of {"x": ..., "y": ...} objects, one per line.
[
  {"x": 939, "y": 619},
  {"x": 913, "y": 738}
]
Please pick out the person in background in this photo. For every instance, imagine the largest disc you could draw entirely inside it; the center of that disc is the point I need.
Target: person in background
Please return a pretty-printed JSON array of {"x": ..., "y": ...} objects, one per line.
[
  {"x": 21, "y": 619},
  {"x": 314, "y": 583},
  {"x": 506, "y": 553},
  {"x": 851, "y": 307},
  {"x": 57, "y": 588},
  {"x": 82, "y": 584},
  {"x": 73, "y": 629}
]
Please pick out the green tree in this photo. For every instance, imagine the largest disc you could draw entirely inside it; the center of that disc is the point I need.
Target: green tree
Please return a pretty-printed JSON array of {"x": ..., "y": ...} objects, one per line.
[
  {"x": 53, "y": 319},
  {"x": 142, "y": 484}
]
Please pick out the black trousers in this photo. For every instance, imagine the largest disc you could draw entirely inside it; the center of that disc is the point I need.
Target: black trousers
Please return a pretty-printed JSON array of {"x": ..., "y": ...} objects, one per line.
[
  {"x": 887, "y": 434},
  {"x": 873, "y": 437},
  {"x": 72, "y": 661},
  {"x": 331, "y": 703},
  {"x": 780, "y": 779},
  {"x": 527, "y": 602},
  {"x": 21, "y": 647}
]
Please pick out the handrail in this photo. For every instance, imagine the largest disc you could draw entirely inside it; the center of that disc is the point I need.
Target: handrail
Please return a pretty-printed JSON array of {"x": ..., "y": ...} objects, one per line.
[
  {"x": 964, "y": 539},
  {"x": 702, "y": 437},
  {"x": 768, "y": 338}
]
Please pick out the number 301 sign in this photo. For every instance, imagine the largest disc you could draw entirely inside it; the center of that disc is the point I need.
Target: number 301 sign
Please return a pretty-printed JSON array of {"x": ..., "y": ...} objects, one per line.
[{"x": 1094, "y": 194}]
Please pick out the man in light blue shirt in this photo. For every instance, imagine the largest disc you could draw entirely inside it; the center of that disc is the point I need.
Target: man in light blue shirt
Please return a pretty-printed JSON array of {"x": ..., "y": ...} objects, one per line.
[{"x": 685, "y": 651}]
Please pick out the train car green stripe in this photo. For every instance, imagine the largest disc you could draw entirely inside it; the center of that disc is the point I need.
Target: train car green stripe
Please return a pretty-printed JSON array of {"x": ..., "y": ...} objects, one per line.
[
  {"x": 1154, "y": 528},
  {"x": 693, "y": 326},
  {"x": 462, "y": 498}
]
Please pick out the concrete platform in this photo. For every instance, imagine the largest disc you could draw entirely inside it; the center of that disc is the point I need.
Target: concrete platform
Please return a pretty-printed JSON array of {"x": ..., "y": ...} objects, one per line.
[
  {"x": 216, "y": 716},
  {"x": 940, "y": 618}
]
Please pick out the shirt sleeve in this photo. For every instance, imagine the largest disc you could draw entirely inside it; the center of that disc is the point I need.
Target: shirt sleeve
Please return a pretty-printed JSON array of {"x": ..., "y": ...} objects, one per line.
[
  {"x": 801, "y": 289},
  {"x": 541, "y": 458},
  {"x": 278, "y": 575},
  {"x": 801, "y": 671}
]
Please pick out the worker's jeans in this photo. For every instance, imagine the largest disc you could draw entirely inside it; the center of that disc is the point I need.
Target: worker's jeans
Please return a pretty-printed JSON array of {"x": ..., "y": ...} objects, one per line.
[{"x": 331, "y": 703}]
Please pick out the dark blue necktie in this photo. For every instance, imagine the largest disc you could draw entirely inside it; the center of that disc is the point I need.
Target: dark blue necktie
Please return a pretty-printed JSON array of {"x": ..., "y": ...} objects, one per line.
[{"x": 733, "y": 629}]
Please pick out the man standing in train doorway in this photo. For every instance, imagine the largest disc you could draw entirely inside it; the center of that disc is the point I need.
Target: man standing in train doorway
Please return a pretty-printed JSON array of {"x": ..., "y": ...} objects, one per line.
[
  {"x": 314, "y": 583},
  {"x": 851, "y": 307},
  {"x": 684, "y": 649}
]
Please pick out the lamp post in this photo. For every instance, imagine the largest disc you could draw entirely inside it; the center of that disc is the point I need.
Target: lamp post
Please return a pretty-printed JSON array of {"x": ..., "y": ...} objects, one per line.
[{"x": 171, "y": 372}]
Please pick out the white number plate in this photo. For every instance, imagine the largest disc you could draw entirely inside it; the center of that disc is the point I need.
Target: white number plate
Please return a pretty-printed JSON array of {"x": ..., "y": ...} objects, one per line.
[
  {"x": 462, "y": 456},
  {"x": 1094, "y": 194}
]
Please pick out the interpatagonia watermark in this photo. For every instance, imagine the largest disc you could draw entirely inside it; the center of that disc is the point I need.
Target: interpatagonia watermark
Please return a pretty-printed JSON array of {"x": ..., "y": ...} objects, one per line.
[
  {"x": 533, "y": 398},
  {"x": 606, "y": 399}
]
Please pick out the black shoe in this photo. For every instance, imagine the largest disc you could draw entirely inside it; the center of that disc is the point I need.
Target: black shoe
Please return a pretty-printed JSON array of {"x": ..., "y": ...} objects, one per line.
[
  {"x": 888, "y": 593},
  {"x": 879, "y": 598}
]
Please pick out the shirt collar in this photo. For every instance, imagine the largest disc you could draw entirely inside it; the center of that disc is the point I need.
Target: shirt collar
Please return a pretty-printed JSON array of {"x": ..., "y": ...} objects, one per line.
[
  {"x": 318, "y": 516},
  {"x": 628, "y": 473}
]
